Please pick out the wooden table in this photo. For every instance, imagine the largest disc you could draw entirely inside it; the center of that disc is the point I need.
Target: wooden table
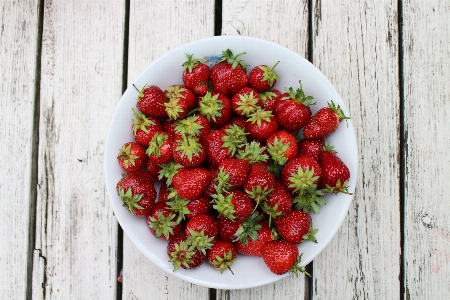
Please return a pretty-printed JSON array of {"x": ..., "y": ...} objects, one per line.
[{"x": 65, "y": 64}]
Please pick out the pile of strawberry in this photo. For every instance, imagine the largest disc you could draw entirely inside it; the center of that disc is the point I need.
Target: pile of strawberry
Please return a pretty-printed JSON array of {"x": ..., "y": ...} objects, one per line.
[{"x": 241, "y": 165}]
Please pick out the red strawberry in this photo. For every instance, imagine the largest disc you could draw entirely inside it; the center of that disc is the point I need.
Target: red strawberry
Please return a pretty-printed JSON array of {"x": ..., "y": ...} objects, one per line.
[
  {"x": 252, "y": 246},
  {"x": 262, "y": 78},
  {"x": 269, "y": 99},
  {"x": 201, "y": 231},
  {"x": 164, "y": 191},
  {"x": 223, "y": 144},
  {"x": 295, "y": 226},
  {"x": 160, "y": 149},
  {"x": 163, "y": 222},
  {"x": 335, "y": 173},
  {"x": 137, "y": 192},
  {"x": 196, "y": 126},
  {"x": 292, "y": 109},
  {"x": 301, "y": 174},
  {"x": 229, "y": 75},
  {"x": 246, "y": 101},
  {"x": 190, "y": 183},
  {"x": 234, "y": 205},
  {"x": 153, "y": 168},
  {"x": 168, "y": 171},
  {"x": 278, "y": 202},
  {"x": 261, "y": 124},
  {"x": 200, "y": 206},
  {"x": 260, "y": 182},
  {"x": 144, "y": 128},
  {"x": 196, "y": 75},
  {"x": 221, "y": 255},
  {"x": 313, "y": 147},
  {"x": 132, "y": 157},
  {"x": 282, "y": 257},
  {"x": 151, "y": 101},
  {"x": 188, "y": 151},
  {"x": 180, "y": 100},
  {"x": 233, "y": 172},
  {"x": 216, "y": 108},
  {"x": 236, "y": 120},
  {"x": 181, "y": 253},
  {"x": 227, "y": 228},
  {"x": 324, "y": 122},
  {"x": 282, "y": 146}
]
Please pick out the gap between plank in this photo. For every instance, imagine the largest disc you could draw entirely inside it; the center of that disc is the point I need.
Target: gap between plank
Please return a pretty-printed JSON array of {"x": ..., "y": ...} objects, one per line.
[{"x": 34, "y": 161}]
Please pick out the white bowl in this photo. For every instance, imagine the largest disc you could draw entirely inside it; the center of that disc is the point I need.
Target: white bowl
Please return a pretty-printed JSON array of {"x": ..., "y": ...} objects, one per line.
[{"x": 249, "y": 271}]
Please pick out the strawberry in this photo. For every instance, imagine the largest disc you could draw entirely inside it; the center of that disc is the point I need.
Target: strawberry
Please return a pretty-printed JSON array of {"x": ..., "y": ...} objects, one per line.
[
  {"x": 144, "y": 128},
  {"x": 295, "y": 226},
  {"x": 163, "y": 222},
  {"x": 324, "y": 122},
  {"x": 260, "y": 182},
  {"x": 236, "y": 120},
  {"x": 234, "y": 205},
  {"x": 335, "y": 173},
  {"x": 227, "y": 228},
  {"x": 301, "y": 174},
  {"x": 196, "y": 75},
  {"x": 292, "y": 109},
  {"x": 233, "y": 173},
  {"x": 246, "y": 101},
  {"x": 137, "y": 192},
  {"x": 261, "y": 235},
  {"x": 310, "y": 147},
  {"x": 132, "y": 157},
  {"x": 269, "y": 99},
  {"x": 261, "y": 124},
  {"x": 164, "y": 191},
  {"x": 262, "y": 78},
  {"x": 253, "y": 152},
  {"x": 229, "y": 75},
  {"x": 151, "y": 101},
  {"x": 190, "y": 183},
  {"x": 180, "y": 100},
  {"x": 278, "y": 202},
  {"x": 182, "y": 255},
  {"x": 168, "y": 171},
  {"x": 221, "y": 255},
  {"x": 160, "y": 148},
  {"x": 196, "y": 126},
  {"x": 201, "y": 231},
  {"x": 282, "y": 257},
  {"x": 282, "y": 146},
  {"x": 188, "y": 151},
  {"x": 199, "y": 206},
  {"x": 216, "y": 108},
  {"x": 153, "y": 168}
]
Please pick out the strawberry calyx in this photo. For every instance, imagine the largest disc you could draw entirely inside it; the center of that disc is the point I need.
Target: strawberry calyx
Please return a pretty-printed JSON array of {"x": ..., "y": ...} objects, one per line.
[
  {"x": 141, "y": 122},
  {"x": 163, "y": 225},
  {"x": 310, "y": 235},
  {"x": 224, "y": 206},
  {"x": 236, "y": 138},
  {"x": 267, "y": 95},
  {"x": 225, "y": 262},
  {"x": 271, "y": 211},
  {"x": 338, "y": 111},
  {"x": 269, "y": 74},
  {"x": 154, "y": 147},
  {"x": 227, "y": 56},
  {"x": 178, "y": 205},
  {"x": 168, "y": 171},
  {"x": 249, "y": 228},
  {"x": 188, "y": 126},
  {"x": 298, "y": 96},
  {"x": 189, "y": 146},
  {"x": 253, "y": 152},
  {"x": 141, "y": 92},
  {"x": 222, "y": 179},
  {"x": 259, "y": 115},
  {"x": 191, "y": 63},
  {"x": 303, "y": 180},
  {"x": 126, "y": 157},
  {"x": 210, "y": 106},
  {"x": 310, "y": 200},
  {"x": 247, "y": 104},
  {"x": 130, "y": 201},
  {"x": 277, "y": 151},
  {"x": 200, "y": 241},
  {"x": 182, "y": 256},
  {"x": 297, "y": 268},
  {"x": 259, "y": 193},
  {"x": 173, "y": 108},
  {"x": 340, "y": 187}
]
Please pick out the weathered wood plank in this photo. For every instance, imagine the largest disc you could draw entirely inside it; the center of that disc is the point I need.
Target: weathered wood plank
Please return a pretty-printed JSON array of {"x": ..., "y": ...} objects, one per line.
[
  {"x": 263, "y": 19},
  {"x": 18, "y": 48},
  {"x": 81, "y": 80},
  {"x": 355, "y": 44},
  {"x": 157, "y": 27},
  {"x": 427, "y": 113}
]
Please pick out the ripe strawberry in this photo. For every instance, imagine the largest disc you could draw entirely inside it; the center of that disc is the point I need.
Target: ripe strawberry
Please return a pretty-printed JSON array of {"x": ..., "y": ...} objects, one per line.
[
  {"x": 222, "y": 144},
  {"x": 181, "y": 253},
  {"x": 301, "y": 174},
  {"x": 151, "y": 101},
  {"x": 252, "y": 246},
  {"x": 137, "y": 192},
  {"x": 216, "y": 108},
  {"x": 295, "y": 226},
  {"x": 335, "y": 173},
  {"x": 260, "y": 182},
  {"x": 282, "y": 146},
  {"x": 188, "y": 151},
  {"x": 190, "y": 183},
  {"x": 132, "y": 157},
  {"x": 229, "y": 75},
  {"x": 236, "y": 120},
  {"x": 227, "y": 228},
  {"x": 200, "y": 206},
  {"x": 196, "y": 75},
  {"x": 195, "y": 126},
  {"x": 144, "y": 128},
  {"x": 277, "y": 203},
  {"x": 246, "y": 101},
  {"x": 153, "y": 168},
  {"x": 269, "y": 99},
  {"x": 324, "y": 122},
  {"x": 160, "y": 149},
  {"x": 221, "y": 255},
  {"x": 232, "y": 173},
  {"x": 262, "y": 78},
  {"x": 261, "y": 124},
  {"x": 164, "y": 191},
  {"x": 282, "y": 257},
  {"x": 168, "y": 171},
  {"x": 201, "y": 231},
  {"x": 292, "y": 109},
  {"x": 234, "y": 205},
  {"x": 180, "y": 100},
  {"x": 310, "y": 147},
  {"x": 163, "y": 222}
]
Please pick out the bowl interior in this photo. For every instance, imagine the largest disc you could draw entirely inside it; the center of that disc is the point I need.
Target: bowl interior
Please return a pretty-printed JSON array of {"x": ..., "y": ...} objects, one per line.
[{"x": 249, "y": 271}]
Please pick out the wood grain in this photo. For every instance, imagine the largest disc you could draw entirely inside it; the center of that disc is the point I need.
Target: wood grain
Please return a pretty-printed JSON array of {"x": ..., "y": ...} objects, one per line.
[
  {"x": 427, "y": 113},
  {"x": 355, "y": 44},
  {"x": 285, "y": 23},
  {"x": 157, "y": 27},
  {"x": 18, "y": 48},
  {"x": 81, "y": 82}
]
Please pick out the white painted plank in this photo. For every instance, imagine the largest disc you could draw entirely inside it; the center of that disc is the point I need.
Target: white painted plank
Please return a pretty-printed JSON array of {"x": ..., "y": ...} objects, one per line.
[
  {"x": 356, "y": 46},
  {"x": 284, "y": 23},
  {"x": 157, "y": 27},
  {"x": 81, "y": 80},
  {"x": 18, "y": 48},
  {"x": 427, "y": 114}
]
